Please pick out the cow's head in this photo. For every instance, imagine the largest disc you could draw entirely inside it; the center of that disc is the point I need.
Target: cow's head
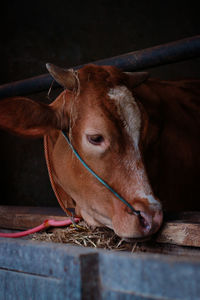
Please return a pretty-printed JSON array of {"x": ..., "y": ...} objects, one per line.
[{"x": 107, "y": 126}]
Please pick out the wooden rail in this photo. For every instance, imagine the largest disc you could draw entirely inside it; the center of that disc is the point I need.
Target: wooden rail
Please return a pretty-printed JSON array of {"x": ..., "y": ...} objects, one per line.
[{"x": 23, "y": 218}]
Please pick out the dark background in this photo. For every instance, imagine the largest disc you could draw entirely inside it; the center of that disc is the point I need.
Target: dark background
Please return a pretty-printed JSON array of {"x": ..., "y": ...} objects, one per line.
[{"x": 70, "y": 33}]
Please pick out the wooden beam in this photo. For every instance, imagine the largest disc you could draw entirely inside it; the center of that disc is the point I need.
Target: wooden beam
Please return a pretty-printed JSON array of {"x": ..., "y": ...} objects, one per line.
[
  {"x": 184, "y": 234},
  {"x": 22, "y": 218},
  {"x": 171, "y": 249}
]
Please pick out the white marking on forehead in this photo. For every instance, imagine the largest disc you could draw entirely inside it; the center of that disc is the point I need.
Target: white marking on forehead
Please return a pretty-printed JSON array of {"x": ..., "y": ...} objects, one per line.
[{"x": 128, "y": 110}]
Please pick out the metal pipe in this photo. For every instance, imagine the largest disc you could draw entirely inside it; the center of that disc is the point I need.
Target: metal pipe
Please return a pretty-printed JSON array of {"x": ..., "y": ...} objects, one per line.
[{"x": 133, "y": 61}]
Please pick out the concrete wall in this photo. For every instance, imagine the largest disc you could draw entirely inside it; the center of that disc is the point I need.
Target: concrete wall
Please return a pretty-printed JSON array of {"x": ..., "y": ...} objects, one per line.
[{"x": 70, "y": 33}]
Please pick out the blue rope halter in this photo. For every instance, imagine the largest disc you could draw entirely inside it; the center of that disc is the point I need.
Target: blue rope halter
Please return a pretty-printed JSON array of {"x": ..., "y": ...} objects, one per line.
[{"x": 136, "y": 212}]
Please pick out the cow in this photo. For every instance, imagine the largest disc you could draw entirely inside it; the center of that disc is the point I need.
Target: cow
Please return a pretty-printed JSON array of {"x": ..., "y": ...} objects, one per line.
[{"x": 140, "y": 135}]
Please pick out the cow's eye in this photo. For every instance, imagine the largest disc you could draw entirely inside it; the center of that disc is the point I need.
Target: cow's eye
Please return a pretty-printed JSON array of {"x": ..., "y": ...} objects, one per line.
[{"x": 95, "y": 139}]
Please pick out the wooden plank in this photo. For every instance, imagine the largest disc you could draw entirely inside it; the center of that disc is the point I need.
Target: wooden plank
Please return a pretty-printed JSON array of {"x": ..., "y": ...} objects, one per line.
[
  {"x": 6, "y": 209},
  {"x": 22, "y": 218},
  {"x": 164, "y": 248},
  {"x": 54, "y": 271},
  {"x": 185, "y": 234}
]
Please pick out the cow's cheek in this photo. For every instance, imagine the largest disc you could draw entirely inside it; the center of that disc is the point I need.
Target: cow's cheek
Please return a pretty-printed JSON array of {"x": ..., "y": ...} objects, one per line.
[{"x": 89, "y": 218}]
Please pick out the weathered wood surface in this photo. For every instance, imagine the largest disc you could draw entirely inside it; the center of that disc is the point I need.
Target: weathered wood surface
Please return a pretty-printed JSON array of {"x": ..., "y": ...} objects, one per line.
[
  {"x": 187, "y": 234},
  {"x": 22, "y": 218},
  {"x": 179, "y": 229},
  {"x": 164, "y": 248},
  {"x": 34, "y": 270}
]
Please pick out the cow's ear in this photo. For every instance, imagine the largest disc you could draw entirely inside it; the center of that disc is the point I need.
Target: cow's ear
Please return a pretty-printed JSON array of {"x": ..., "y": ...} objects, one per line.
[
  {"x": 136, "y": 78},
  {"x": 66, "y": 78},
  {"x": 25, "y": 117}
]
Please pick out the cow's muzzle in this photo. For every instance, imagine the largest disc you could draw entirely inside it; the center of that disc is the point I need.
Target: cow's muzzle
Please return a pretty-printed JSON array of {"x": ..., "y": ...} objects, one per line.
[{"x": 128, "y": 225}]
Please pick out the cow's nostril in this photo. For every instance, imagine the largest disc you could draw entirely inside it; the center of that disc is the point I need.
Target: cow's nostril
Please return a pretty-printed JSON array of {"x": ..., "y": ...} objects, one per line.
[{"x": 145, "y": 221}]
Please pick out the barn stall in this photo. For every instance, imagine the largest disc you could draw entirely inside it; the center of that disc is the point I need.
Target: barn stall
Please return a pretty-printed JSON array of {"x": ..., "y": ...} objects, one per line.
[{"x": 33, "y": 269}]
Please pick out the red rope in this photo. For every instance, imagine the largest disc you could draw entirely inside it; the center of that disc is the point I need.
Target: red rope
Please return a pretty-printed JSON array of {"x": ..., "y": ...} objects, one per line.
[{"x": 44, "y": 225}]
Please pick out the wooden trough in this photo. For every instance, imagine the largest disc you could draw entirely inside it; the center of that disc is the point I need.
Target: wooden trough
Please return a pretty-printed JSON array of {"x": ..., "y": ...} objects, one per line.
[
  {"x": 32, "y": 269},
  {"x": 39, "y": 270}
]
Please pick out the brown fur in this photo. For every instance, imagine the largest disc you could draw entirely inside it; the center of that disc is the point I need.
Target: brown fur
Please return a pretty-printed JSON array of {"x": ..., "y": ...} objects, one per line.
[{"x": 173, "y": 144}]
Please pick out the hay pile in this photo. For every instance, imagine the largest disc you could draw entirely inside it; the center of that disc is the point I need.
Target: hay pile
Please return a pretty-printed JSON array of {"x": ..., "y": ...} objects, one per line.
[{"x": 85, "y": 236}]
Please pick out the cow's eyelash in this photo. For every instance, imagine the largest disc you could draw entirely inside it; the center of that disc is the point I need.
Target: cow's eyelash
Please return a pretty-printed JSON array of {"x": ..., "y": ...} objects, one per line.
[{"x": 95, "y": 139}]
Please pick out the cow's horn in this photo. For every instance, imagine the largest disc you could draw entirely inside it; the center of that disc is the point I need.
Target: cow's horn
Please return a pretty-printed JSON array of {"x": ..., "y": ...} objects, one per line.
[
  {"x": 64, "y": 77},
  {"x": 136, "y": 78}
]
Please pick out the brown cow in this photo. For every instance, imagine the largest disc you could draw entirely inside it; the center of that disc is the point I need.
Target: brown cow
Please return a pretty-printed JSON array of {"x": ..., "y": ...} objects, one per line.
[{"x": 117, "y": 122}]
